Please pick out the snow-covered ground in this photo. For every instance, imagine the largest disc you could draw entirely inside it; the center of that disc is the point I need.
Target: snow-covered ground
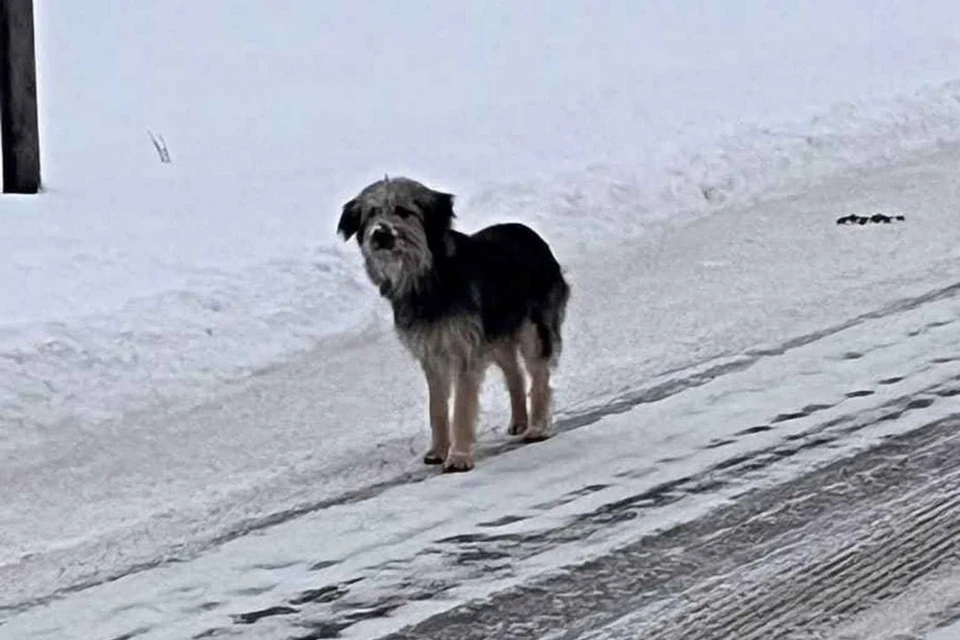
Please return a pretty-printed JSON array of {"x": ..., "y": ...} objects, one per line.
[
  {"x": 131, "y": 283},
  {"x": 951, "y": 632},
  {"x": 186, "y": 350},
  {"x": 658, "y": 455},
  {"x": 83, "y": 504}
]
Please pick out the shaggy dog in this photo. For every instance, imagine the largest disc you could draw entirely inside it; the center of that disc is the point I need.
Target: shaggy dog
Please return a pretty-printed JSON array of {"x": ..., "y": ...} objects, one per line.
[{"x": 461, "y": 302}]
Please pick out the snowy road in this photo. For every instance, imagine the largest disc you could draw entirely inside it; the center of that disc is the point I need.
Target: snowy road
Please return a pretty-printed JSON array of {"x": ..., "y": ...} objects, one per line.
[
  {"x": 800, "y": 486},
  {"x": 868, "y": 547}
]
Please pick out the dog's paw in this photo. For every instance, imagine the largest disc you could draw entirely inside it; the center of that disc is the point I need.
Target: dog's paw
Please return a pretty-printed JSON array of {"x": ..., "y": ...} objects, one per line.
[
  {"x": 432, "y": 457},
  {"x": 536, "y": 434},
  {"x": 436, "y": 454},
  {"x": 516, "y": 428},
  {"x": 457, "y": 463}
]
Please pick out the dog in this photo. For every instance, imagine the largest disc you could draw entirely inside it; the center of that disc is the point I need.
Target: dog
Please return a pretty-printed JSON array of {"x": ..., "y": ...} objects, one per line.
[{"x": 461, "y": 302}]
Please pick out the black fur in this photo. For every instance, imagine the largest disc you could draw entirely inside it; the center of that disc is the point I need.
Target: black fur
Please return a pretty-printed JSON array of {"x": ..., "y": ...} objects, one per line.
[
  {"x": 505, "y": 274},
  {"x": 349, "y": 219}
]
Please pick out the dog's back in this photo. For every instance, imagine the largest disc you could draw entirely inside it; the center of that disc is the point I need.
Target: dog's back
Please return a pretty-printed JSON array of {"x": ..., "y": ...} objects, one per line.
[{"x": 519, "y": 280}]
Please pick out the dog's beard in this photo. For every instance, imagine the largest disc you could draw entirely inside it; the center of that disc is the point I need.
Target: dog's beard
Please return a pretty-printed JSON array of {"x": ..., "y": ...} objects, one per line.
[{"x": 397, "y": 272}]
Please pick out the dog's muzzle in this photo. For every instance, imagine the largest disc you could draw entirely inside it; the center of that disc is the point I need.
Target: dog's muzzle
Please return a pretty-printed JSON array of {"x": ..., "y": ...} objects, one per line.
[{"x": 382, "y": 238}]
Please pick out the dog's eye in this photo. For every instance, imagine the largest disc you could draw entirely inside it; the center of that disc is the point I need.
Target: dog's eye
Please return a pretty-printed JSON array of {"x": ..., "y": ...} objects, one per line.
[{"x": 403, "y": 212}]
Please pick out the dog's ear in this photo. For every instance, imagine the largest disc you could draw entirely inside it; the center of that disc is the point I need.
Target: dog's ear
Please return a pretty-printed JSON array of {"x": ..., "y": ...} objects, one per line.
[
  {"x": 349, "y": 220},
  {"x": 437, "y": 208}
]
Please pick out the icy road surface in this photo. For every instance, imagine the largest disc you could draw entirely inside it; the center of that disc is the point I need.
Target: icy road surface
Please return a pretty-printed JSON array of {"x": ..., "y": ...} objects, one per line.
[{"x": 805, "y": 488}]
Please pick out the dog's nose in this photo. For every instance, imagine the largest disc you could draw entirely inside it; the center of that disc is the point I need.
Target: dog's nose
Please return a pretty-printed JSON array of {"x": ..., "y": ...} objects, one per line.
[{"x": 381, "y": 237}]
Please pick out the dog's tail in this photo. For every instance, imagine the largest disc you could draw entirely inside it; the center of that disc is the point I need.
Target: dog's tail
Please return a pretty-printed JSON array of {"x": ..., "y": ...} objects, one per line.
[{"x": 548, "y": 320}]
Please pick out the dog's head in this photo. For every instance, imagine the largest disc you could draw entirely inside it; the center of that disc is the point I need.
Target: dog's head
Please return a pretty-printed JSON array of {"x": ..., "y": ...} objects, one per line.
[{"x": 399, "y": 223}]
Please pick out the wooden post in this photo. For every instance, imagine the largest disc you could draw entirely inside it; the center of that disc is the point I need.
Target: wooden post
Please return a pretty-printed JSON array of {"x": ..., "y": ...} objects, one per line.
[{"x": 19, "y": 131}]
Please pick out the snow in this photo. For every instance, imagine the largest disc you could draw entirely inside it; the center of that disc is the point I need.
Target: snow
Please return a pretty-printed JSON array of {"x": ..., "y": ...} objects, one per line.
[
  {"x": 82, "y": 505},
  {"x": 391, "y": 544},
  {"x": 950, "y": 632},
  {"x": 132, "y": 283},
  {"x": 926, "y": 610},
  {"x": 187, "y": 350}
]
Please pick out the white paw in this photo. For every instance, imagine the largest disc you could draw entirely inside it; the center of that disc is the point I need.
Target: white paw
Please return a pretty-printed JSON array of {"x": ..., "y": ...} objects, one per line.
[
  {"x": 437, "y": 452},
  {"x": 536, "y": 433},
  {"x": 433, "y": 457},
  {"x": 516, "y": 428},
  {"x": 457, "y": 462}
]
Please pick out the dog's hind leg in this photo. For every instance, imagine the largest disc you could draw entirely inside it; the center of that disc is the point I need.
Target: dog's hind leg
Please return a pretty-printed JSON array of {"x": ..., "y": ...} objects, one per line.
[
  {"x": 507, "y": 358},
  {"x": 439, "y": 387},
  {"x": 466, "y": 406},
  {"x": 541, "y": 394}
]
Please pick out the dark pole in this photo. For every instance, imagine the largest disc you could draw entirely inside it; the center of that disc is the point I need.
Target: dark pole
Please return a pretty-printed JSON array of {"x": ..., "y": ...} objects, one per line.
[{"x": 19, "y": 132}]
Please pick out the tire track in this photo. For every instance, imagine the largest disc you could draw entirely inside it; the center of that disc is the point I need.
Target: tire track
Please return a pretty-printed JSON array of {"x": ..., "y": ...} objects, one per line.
[
  {"x": 770, "y": 612},
  {"x": 788, "y": 561},
  {"x": 851, "y": 570}
]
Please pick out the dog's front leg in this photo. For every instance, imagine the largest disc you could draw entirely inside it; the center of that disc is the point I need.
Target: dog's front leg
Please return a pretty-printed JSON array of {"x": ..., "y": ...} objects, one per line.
[
  {"x": 466, "y": 406},
  {"x": 439, "y": 387}
]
